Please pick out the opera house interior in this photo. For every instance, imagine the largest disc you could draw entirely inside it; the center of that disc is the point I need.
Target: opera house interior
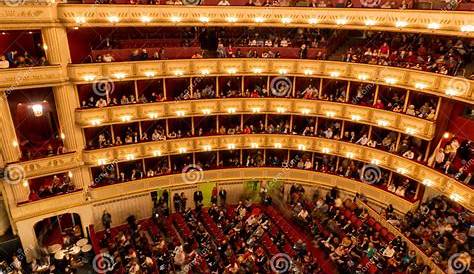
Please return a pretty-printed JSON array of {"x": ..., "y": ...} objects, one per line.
[{"x": 237, "y": 136}]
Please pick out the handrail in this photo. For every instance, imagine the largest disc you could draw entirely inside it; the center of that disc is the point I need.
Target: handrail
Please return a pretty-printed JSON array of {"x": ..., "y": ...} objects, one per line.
[{"x": 421, "y": 254}]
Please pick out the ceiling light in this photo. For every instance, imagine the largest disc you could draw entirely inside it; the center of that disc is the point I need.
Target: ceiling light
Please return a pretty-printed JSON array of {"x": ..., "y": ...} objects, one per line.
[
  {"x": 206, "y": 111},
  {"x": 341, "y": 21},
  {"x": 467, "y": 28},
  {"x": 113, "y": 19},
  {"x": 362, "y": 77},
  {"x": 350, "y": 155},
  {"x": 88, "y": 77},
  {"x": 326, "y": 150},
  {"x": 410, "y": 131},
  {"x": 146, "y": 19},
  {"x": 427, "y": 182},
  {"x": 375, "y": 162},
  {"x": 370, "y": 22},
  {"x": 175, "y": 19},
  {"x": 126, "y": 118},
  {"x": 402, "y": 170},
  {"x": 281, "y": 109},
  {"x": 130, "y": 156},
  {"x": 451, "y": 92},
  {"x": 231, "y": 110},
  {"x": 231, "y": 19},
  {"x": 205, "y": 72},
  {"x": 420, "y": 85},
  {"x": 180, "y": 113},
  {"x": 156, "y": 153},
  {"x": 283, "y": 71},
  {"x": 204, "y": 19},
  {"x": 254, "y": 145},
  {"x": 95, "y": 122},
  {"x": 232, "y": 70},
  {"x": 308, "y": 72},
  {"x": 382, "y": 123},
  {"x": 401, "y": 24},
  {"x": 330, "y": 113},
  {"x": 257, "y": 70},
  {"x": 334, "y": 73},
  {"x": 455, "y": 197},
  {"x": 182, "y": 150},
  {"x": 301, "y": 147},
  {"x": 231, "y": 146},
  {"x": 120, "y": 75},
  {"x": 37, "y": 110},
  {"x": 313, "y": 21},
  {"x": 433, "y": 26},
  {"x": 286, "y": 20},
  {"x": 355, "y": 117},
  {"x": 390, "y": 80},
  {"x": 277, "y": 145},
  {"x": 178, "y": 72},
  {"x": 150, "y": 73},
  {"x": 305, "y": 111},
  {"x": 80, "y": 20},
  {"x": 259, "y": 19},
  {"x": 255, "y": 110},
  {"x": 207, "y": 147},
  {"x": 153, "y": 115},
  {"x": 101, "y": 162}
]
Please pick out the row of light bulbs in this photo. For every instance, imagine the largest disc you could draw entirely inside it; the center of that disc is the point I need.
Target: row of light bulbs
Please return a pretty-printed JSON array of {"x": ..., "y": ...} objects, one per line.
[
  {"x": 450, "y": 91},
  {"x": 231, "y": 110},
  {"x": 285, "y": 20}
]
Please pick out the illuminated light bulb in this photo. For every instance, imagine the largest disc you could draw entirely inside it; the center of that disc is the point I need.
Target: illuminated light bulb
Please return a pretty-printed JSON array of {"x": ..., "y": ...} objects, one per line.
[
  {"x": 153, "y": 115},
  {"x": 286, "y": 20},
  {"x": 180, "y": 113},
  {"x": 390, "y": 80},
  {"x": 402, "y": 170},
  {"x": 370, "y": 22},
  {"x": 308, "y": 72},
  {"x": 420, "y": 85},
  {"x": 455, "y": 197},
  {"x": 150, "y": 73},
  {"x": 25, "y": 183},
  {"x": 283, "y": 71},
  {"x": 80, "y": 20},
  {"x": 88, "y": 77},
  {"x": 410, "y": 131},
  {"x": 301, "y": 147},
  {"x": 382, "y": 123},
  {"x": 205, "y": 72},
  {"x": 363, "y": 77},
  {"x": 277, "y": 145},
  {"x": 130, "y": 156},
  {"x": 182, "y": 150},
  {"x": 433, "y": 26},
  {"x": 175, "y": 19},
  {"x": 451, "y": 92},
  {"x": 427, "y": 182},
  {"x": 113, "y": 19},
  {"x": 69, "y": 174},
  {"x": 95, "y": 122},
  {"x": 326, "y": 150},
  {"x": 305, "y": 111},
  {"x": 259, "y": 19},
  {"x": 355, "y": 117},
  {"x": 231, "y": 146},
  {"x": 231, "y": 19},
  {"x": 401, "y": 24},
  {"x": 330, "y": 113},
  {"x": 45, "y": 47},
  {"x": 254, "y": 145},
  {"x": 37, "y": 110},
  {"x": 255, "y": 110},
  {"x": 231, "y": 110},
  {"x": 204, "y": 19},
  {"x": 206, "y": 111},
  {"x": 232, "y": 70},
  {"x": 350, "y": 155},
  {"x": 15, "y": 143},
  {"x": 157, "y": 153},
  {"x": 312, "y": 21},
  {"x": 207, "y": 147},
  {"x": 126, "y": 118},
  {"x": 101, "y": 162},
  {"x": 145, "y": 19},
  {"x": 341, "y": 21},
  {"x": 120, "y": 75},
  {"x": 467, "y": 28},
  {"x": 446, "y": 135},
  {"x": 178, "y": 72},
  {"x": 335, "y": 73},
  {"x": 63, "y": 136},
  {"x": 257, "y": 70},
  {"x": 281, "y": 109},
  {"x": 375, "y": 162}
]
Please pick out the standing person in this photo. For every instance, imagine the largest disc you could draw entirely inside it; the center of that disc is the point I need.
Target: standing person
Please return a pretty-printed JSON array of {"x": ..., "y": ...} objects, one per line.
[
  {"x": 106, "y": 219},
  {"x": 183, "y": 202},
  {"x": 198, "y": 197},
  {"x": 223, "y": 196},
  {"x": 177, "y": 202}
]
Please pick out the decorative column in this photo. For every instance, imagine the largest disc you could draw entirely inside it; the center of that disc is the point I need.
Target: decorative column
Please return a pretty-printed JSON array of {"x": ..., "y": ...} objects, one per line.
[{"x": 9, "y": 148}]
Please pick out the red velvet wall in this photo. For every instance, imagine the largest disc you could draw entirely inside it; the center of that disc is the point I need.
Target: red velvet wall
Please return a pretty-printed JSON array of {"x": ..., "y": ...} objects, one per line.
[
  {"x": 459, "y": 125},
  {"x": 18, "y": 40}
]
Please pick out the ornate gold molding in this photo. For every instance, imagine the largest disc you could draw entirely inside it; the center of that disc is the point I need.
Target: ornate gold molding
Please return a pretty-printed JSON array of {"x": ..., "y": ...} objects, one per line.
[
  {"x": 178, "y": 109},
  {"x": 29, "y": 77},
  {"x": 455, "y": 88},
  {"x": 420, "y": 21},
  {"x": 419, "y": 172},
  {"x": 49, "y": 165}
]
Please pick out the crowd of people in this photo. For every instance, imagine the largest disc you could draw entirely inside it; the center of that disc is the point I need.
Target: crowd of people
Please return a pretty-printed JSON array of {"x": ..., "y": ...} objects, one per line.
[
  {"x": 414, "y": 51},
  {"x": 455, "y": 158},
  {"x": 59, "y": 184},
  {"x": 349, "y": 236},
  {"x": 15, "y": 59}
]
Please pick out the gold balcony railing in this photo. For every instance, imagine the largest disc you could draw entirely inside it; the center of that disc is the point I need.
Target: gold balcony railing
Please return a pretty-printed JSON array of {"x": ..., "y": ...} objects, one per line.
[
  {"x": 178, "y": 109},
  {"x": 411, "y": 169},
  {"x": 309, "y": 178},
  {"x": 426, "y": 21},
  {"x": 437, "y": 84},
  {"x": 28, "y": 77}
]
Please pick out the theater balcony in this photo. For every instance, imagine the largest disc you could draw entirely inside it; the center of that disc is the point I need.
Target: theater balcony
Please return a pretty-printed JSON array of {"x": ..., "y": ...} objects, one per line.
[{"x": 441, "y": 85}]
